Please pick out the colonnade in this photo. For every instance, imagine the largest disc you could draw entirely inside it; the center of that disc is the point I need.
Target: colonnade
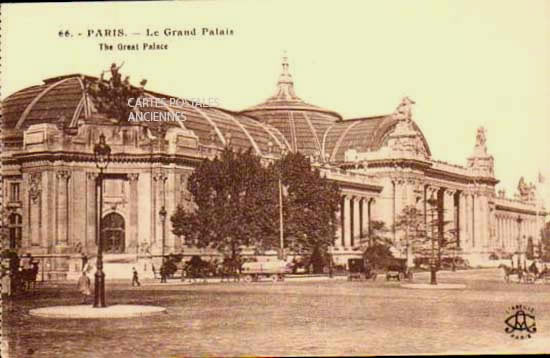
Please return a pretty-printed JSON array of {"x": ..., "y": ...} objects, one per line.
[
  {"x": 461, "y": 214},
  {"x": 513, "y": 231},
  {"x": 355, "y": 221}
]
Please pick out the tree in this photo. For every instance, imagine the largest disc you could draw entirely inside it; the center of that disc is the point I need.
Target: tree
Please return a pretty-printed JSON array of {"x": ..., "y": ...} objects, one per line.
[
  {"x": 439, "y": 241},
  {"x": 235, "y": 204},
  {"x": 310, "y": 203},
  {"x": 411, "y": 223},
  {"x": 378, "y": 233},
  {"x": 378, "y": 255}
]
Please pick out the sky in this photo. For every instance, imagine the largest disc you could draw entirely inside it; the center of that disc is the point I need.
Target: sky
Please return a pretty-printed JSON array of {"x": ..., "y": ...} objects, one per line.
[{"x": 466, "y": 63}]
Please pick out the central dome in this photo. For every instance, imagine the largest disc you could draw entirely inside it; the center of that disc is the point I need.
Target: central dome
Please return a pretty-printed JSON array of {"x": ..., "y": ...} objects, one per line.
[{"x": 302, "y": 124}]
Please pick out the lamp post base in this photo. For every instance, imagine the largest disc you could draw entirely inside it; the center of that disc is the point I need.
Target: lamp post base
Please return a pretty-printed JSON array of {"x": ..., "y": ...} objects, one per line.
[
  {"x": 433, "y": 280},
  {"x": 99, "y": 289}
]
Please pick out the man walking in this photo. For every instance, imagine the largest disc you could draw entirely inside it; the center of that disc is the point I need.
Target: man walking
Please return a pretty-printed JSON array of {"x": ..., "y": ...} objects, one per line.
[{"x": 135, "y": 278}]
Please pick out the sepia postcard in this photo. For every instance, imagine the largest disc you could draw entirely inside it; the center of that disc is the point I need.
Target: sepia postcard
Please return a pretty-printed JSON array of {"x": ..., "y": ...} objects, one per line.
[{"x": 275, "y": 178}]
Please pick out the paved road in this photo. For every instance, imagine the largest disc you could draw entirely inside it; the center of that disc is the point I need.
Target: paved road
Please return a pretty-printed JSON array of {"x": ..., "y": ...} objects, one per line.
[{"x": 308, "y": 317}]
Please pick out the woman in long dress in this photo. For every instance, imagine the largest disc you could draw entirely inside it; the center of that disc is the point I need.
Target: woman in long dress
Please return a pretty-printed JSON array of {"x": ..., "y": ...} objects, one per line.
[{"x": 84, "y": 286}]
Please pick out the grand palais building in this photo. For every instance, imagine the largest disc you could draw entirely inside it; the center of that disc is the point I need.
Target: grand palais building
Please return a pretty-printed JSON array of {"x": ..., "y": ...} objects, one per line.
[{"x": 382, "y": 163}]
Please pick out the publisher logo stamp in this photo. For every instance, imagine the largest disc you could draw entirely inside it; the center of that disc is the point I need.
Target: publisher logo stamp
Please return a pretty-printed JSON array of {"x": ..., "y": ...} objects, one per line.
[{"x": 520, "y": 322}]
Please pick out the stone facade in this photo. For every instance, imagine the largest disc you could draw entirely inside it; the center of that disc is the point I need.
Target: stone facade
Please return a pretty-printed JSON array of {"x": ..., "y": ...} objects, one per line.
[{"x": 383, "y": 164}]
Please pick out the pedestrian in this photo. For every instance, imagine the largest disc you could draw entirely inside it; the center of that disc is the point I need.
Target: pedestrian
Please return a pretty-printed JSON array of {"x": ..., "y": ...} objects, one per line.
[
  {"x": 135, "y": 278},
  {"x": 84, "y": 286},
  {"x": 163, "y": 272},
  {"x": 84, "y": 259},
  {"x": 6, "y": 284}
]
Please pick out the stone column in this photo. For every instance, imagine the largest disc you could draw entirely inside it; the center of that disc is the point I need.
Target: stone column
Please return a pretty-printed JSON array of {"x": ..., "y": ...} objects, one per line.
[
  {"x": 35, "y": 206},
  {"x": 492, "y": 226},
  {"x": 430, "y": 211},
  {"x": 48, "y": 211},
  {"x": 498, "y": 236},
  {"x": 339, "y": 217},
  {"x": 519, "y": 233},
  {"x": 449, "y": 213},
  {"x": 133, "y": 222},
  {"x": 512, "y": 240},
  {"x": 347, "y": 222},
  {"x": 485, "y": 231},
  {"x": 92, "y": 219},
  {"x": 476, "y": 224},
  {"x": 361, "y": 224},
  {"x": 365, "y": 203},
  {"x": 369, "y": 219},
  {"x": 502, "y": 232},
  {"x": 462, "y": 220},
  {"x": 473, "y": 220},
  {"x": 514, "y": 226},
  {"x": 400, "y": 201},
  {"x": 466, "y": 238},
  {"x": 506, "y": 232},
  {"x": 356, "y": 222},
  {"x": 353, "y": 222},
  {"x": 62, "y": 206},
  {"x": 510, "y": 234}
]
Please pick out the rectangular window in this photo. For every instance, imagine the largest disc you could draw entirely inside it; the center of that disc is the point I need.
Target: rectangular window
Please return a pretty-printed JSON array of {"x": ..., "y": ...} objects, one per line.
[{"x": 14, "y": 192}]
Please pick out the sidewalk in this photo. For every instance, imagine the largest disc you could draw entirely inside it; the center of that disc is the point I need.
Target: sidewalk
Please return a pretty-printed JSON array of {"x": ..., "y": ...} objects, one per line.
[
  {"x": 88, "y": 311},
  {"x": 213, "y": 280}
]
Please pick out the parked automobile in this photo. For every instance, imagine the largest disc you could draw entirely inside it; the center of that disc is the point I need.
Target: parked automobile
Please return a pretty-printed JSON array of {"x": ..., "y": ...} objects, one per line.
[
  {"x": 459, "y": 263},
  {"x": 398, "y": 270},
  {"x": 360, "y": 269}
]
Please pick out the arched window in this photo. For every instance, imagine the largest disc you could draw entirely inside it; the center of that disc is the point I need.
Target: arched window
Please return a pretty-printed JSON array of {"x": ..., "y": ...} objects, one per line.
[
  {"x": 15, "y": 227},
  {"x": 113, "y": 233}
]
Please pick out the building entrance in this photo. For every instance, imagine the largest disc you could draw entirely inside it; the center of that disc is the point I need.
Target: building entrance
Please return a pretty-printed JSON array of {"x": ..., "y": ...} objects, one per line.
[{"x": 113, "y": 234}]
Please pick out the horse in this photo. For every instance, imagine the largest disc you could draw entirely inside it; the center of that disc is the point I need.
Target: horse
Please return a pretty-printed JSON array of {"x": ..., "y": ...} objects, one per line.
[
  {"x": 509, "y": 271},
  {"x": 230, "y": 269}
]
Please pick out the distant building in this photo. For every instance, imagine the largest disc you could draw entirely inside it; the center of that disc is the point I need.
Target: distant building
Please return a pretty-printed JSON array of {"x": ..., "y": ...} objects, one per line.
[{"x": 382, "y": 163}]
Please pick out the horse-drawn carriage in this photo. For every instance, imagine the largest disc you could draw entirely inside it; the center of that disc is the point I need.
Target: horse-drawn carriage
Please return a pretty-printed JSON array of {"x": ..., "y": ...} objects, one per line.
[
  {"x": 531, "y": 274},
  {"x": 360, "y": 269}
]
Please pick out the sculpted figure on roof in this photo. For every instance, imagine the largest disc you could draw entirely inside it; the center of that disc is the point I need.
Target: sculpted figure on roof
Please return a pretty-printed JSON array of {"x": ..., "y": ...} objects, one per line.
[
  {"x": 480, "y": 137},
  {"x": 526, "y": 191},
  {"x": 404, "y": 110},
  {"x": 113, "y": 96}
]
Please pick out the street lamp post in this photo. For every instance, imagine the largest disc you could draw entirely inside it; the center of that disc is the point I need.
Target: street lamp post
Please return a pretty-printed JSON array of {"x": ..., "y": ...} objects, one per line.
[
  {"x": 281, "y": 225},
  {"x": 102, "y": 156},
  {"x": 162, "y": 214},
  {"x": 519, "y": 220}
]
